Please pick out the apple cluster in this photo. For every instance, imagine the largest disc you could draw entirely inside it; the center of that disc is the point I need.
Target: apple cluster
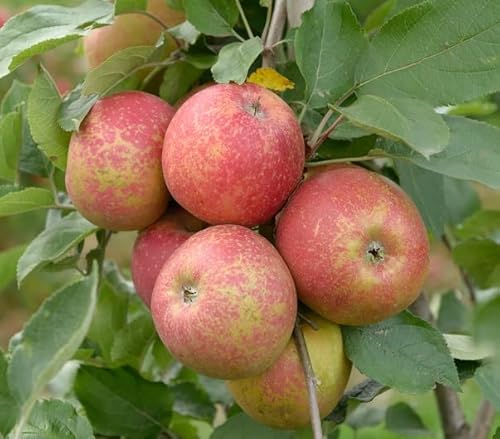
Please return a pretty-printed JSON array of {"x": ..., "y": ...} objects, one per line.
[{"x": 347, "y": 242}]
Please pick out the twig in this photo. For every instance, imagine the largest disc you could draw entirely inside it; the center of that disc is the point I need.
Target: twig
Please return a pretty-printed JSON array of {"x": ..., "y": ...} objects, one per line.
[
  {"x": 306, "y": 319},
  {"x": 317, "y": 143},
  {"x": 237, "y": 35},
  {"x": 153, "y": 17},
  {"x": 484, "y": 419},
  {"x": 278, "y": 20},
  {"x": 342, "y": 160},
  {"x": 244, "y": 19},
  {"x": 268, "y": 21},
  {"x": 310, "y": 381}
]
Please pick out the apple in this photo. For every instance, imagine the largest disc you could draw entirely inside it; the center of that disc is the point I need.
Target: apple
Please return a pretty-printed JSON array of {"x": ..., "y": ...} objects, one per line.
[
  {"x": 4, "y": 15},
  {"x": 279, "y": 396},
  {"x": 443, "y": 274},
  {"x": 155, "y": 245},
  {"x": 114, "y": 175},
  {"x": 224, "y": 304},
  {"x": 233, "y": 154},
  {"x": 355, "y": 244},
  {"x": 129, "y": 30}
]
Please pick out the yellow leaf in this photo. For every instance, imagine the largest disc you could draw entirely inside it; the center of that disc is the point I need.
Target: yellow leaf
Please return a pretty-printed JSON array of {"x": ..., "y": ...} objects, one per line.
[{"x": 271, "y": 79}]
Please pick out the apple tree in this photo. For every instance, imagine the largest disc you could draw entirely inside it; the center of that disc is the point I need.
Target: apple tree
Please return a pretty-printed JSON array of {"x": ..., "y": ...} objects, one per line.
[{"x": 307, "y": 180}]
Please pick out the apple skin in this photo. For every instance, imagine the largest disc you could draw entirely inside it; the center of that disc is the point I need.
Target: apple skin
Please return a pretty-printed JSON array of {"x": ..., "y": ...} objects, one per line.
[
  {"x": 279, "y": 397},
  {"x": 355, "y": 244},
  {"x": 233, "y": 154},
  {"x": 4, "y": 15},
  {"x": 443, "y": 274},
  {"x": 155, "y": 244},
  {"x": 224, "y": 304},
  {"x": 130, "y": 30},
  {"x": 113, "y": 175}
]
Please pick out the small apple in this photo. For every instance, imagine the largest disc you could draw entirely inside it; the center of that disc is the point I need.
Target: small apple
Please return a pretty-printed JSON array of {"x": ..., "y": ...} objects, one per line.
[
  {"x": 355, "y": 244},
  {"x": 233, "y": 154},
  {"x": 113, "y": 174},
  {"x": 224, "y": 304},
  {"x": 155, "y": 245},
  {"x": 279, "y": 396}
]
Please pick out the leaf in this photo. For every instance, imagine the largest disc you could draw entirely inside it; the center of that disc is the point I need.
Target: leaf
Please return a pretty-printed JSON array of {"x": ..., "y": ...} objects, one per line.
[
  {"x": 15, "y": 200},
  {"x": 31, "y": 159},
  {"x": 53, "y": 243},
  {"x": 185, "y": 31},
  {"x": 473, "y": 152},
  {"x": 15, "y": 98},
  {"x": 497, "y": 434},
  {"x": 403, "y": 352},
  {"x": 212, "y": 17},
  {"x": 201, "y": 60},
  {"x": 271, "y": 79},
  {"x": 241, "y": 426},
  {"x": 191, "y": 400},
  {"x": 10, "y": 144},
  {"x": 43, "y": 107},
  {"x": 378, "y": 16},
  {"x": 55, "y": 419},
  {"x": 461, "y": 200},
  {"x": 463, "y": 347},
  {"x": 402, "y": 419},
  {"x": 485, "y": 323},
  {"x": 119, "y": 402},
  {"x": 453, "y": 314},
  {"x": 327, "y": 47},
  {"x": 74, "y": 109},
  {"x": 365, "y": 416},
  {"x": 115, "y": 69},
  {"x": 42, "y": 350},
  {"x": 8, "y": 262},
  {"x": 235, "y": 60},
  {"x": 483, "y": 224},
  {"x": 488, "y": 378},
  {"x": 44, "y": 27},
  {"x": 177, "y": 80},
  {"x": 408, "y": 120},
  {"x": 481, "y": 259},
  {"x": 128, "y": 6},
  {"x": 426, "y": 188},
  {"x": 8, "y": 405}
]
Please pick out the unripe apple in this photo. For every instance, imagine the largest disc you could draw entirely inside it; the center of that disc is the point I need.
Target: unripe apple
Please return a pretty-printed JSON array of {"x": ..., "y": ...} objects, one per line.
[
  {"x": 233, "y": 154},
  {"x": 355, "y": 244},
  {"x": 113, "y": 174},
  {"x": 224, "y": 304},
  {"x": 129, "y": 30},
  {"x": 156, "y": 244},
  {"x": 279, "y": 396}
]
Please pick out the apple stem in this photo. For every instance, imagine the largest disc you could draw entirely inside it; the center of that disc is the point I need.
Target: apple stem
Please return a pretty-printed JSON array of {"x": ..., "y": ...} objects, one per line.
[
  {"x": 154, "y": 18},
  {"x": 308, "y": 321},
  {"x": 244, "y": 19},
  {"x": 310, "y": 380}
]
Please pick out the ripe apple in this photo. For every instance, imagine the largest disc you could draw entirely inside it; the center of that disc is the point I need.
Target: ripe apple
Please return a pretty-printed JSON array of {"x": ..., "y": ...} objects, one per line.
[
  {"x": 443, "y": 274},
  {"x": 279, "y": 397},
  {"x": 155, "y": 245},
  {"x": 4, "y": 15},
  {"x": 113, "y": 174},
  {"x": 233, "y": 154},
  {"x": 129, "y": 30},
  {"x": 355, "y": 244},
  {"x": 224, "y": 304}
]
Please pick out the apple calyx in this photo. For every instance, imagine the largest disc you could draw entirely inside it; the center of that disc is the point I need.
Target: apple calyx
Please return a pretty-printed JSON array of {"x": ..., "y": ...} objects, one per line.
[
  {"x": 375, "y": 253},
  {"x": 189, "y": 293}
]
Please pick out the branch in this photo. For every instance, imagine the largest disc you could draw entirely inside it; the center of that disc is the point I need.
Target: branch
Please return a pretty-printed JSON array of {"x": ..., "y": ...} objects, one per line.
[
  {"x": 310, "y": 381},
  {"x": 244, "y": 19},
  {"x": 278, "y": 20},
  {"x": 484, "y": 419},
  {"x": 318, "y": 140}
]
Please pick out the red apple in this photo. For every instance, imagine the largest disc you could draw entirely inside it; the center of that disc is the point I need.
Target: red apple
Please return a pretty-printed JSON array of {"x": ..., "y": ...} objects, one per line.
[
  {"x": 355, "y": 244},
  {"x": 156, "y": 244},
  {"x": 224, "y": 304},
  {"x": 279, "y": 397},
  {"x": 4, "y": 15},
  {"x": 114, "y": 175},
  {"x": 233, "y": 154},
  {"x": 443, "y": 274}
]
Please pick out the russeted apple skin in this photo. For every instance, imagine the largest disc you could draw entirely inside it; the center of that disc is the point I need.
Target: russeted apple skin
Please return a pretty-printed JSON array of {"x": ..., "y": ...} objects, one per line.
[
  {"x": 233, "y": 154},
  {"x": 130, "y": 30},
  {"x": 155, "y": 244},
  {"x": 279, "y": 397},
  {"x": 224, "y": 304},
  {"x": 355, "y": 244},
  {"x": 114, "y": 175}
]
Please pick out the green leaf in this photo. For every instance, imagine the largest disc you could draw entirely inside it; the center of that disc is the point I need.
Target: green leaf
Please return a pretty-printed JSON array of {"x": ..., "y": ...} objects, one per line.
[
  {"x": 235, "y": 60},
  {"x": 10, "y": 144},
  {"x": 497, "y": 434},
  {"x": 463, "y": 347},
  {"x": 458, "y": 62},
  {"x": 473, "y": 152},
  {"x": 43, "y": 108},
  {"x": 15, "y": 200},
  {"x": 31, "y": 159},
  {"x": 8, "y": 262},
  {"x": 485, "y": 323},
  {"x": 481, "y": 259},
  {"x": 242, "y": 426},
  {"x": 483, "y": 224},
  {"x": 44, "y": 27},
  {"x": 408, "y": 120},
  {"x": 8, "y": 405},
  {"x": 15, "y": 98},
  {"x": 53, "y": 243},
  {"x": 212, "y": 17},
  {"x": 128, "y": 6},
  {"x": 185, "y": 31},
  {"x": 201, "y": 61},
  {"x": 402, "y": 419},
  {"x": 327, "y": 46},
  {"x": 461, "y": 200},
  {"x": 177, "y": 81},
  {"x": 74, "y": 109},
  {"x": 403, "y": 352},
  {"x": 378, "y": 16},
  {"x": 119, "y": 402},
  {"x": 191, "y": 400},
  {"x": 55, "y": 419},
  {"x": 50, "y": 338},
  {"x": 116, "y": 69},
  {"x": 365, "y": 416},
  {"x": 453, "y": 314},
  {"x": 488, "y": 378}
]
